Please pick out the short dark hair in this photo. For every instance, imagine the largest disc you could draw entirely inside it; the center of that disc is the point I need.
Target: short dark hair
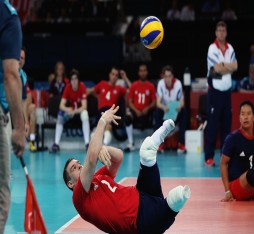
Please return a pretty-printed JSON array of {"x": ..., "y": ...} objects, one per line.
[
  {"x": 248, "y": 103},
  {"x": 221, "y": 24},
  {"x": 74, "y": 72},
  {"x": 66, "y": 176},
  {"x": 167, "y": 68},
  {"x": 23, "y": 48}
]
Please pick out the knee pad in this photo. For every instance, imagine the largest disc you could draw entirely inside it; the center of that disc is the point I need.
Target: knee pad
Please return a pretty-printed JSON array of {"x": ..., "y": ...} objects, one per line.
[
  {"x": 127, "y": 120},
  {"x": 250, "y": 176},
  {"x": 148, "y": 150},
  {"x": 84, "y": 116}
]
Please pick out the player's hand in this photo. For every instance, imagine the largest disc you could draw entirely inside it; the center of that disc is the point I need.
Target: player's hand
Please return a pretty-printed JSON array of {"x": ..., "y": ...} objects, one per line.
[
  {"x": 110, "y": 115},
  {"x": 138, "y": 113},
  {"x": 228, "y": 197},
  {"x": 145, "y": 111},
  {"x": 18, "y": 142},
  {"x": 123, "y": 74},
  {"x": 105, "y": 157}
]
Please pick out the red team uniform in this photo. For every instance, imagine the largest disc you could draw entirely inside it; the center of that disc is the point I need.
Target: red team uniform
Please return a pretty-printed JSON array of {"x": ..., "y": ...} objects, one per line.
[
  {"x": 108, "y": 94},
  {"x": 74, "y": 97},
  {"x": 98, "y": 206},
  {"x": 142, "y": 94}
]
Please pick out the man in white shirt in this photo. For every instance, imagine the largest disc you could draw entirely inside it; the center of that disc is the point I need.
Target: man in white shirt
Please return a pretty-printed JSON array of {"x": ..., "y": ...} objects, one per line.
[{"x": 221, "y": 63}]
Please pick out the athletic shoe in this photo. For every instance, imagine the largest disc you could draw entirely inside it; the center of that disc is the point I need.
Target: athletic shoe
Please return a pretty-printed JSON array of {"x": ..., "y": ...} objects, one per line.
[
  {"x": 161, "y": 148},
  {"x": 181, "y": 148},
  {"x": 54, "y": 148},
  {"x": 177, "y": 197},
  {"x": 210, "y": 162},
  {"x": 170, "y": 125},
  {"x": 129, "y": 148},
  {"x": 32, "y": 146}
]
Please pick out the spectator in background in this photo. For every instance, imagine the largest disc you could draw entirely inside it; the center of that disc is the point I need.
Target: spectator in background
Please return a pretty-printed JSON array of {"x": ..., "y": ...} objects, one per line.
[
  {"x": 29, "y": 106},
  {"x": 211, "y": 8},
  {"x": 73, "y": 106},
  {"x": 247, "y": 83},
  {"x": 221, "y": 63},
  {"x": 174, "y": 12},
  {"x": 169, "y": 89},
  {"x": 135, "y": 51},
  {"x": 228, "y": 13},
  {"x": 188, "y": 12},
  {"x": 141, "y": 100},
  {"x": 109, "y": 93},
  {"x": 236, "y": 165},
  {"x": 59, "y": 83}
]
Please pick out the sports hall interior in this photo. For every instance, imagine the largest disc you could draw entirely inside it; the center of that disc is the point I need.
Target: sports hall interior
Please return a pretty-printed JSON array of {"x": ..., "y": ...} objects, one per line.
[{"x": 93, "y": 42}]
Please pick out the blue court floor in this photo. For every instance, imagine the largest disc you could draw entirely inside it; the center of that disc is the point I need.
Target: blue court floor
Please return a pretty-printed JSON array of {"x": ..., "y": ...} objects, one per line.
[{"x": 55, "y": 199}]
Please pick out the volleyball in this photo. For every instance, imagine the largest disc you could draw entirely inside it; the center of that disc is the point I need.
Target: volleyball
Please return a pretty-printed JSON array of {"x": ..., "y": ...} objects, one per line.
[{"x": 151, "y": 32}]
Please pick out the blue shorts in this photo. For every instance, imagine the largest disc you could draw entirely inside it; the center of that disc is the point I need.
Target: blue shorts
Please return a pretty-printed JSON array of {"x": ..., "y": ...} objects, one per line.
[
  {"x": 10, "y": 34},
  {"x": 154, "y": 214}
]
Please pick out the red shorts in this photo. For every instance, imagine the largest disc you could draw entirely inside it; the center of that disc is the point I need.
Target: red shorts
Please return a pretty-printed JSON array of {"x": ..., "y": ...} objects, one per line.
[{"x": 240, "y": 193}]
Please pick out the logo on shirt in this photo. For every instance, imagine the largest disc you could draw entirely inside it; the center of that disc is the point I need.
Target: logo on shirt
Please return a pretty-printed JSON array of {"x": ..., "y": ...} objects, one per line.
[
  {"x": 242, "y": 154},
  {"x": 95, "y": 187}
]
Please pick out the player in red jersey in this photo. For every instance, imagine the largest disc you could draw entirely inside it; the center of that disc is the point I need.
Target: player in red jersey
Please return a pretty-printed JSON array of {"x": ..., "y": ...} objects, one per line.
[
  {"x": 142, "y": 100},
  {"x": 115, "y": 208},
  {"x": 73, "y": 106},
  {"x": 109, "y": 93}
]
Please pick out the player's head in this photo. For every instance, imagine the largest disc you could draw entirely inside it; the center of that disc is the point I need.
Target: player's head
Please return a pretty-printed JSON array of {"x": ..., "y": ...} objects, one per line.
[
  {"x": 246, "y": 114},
  {"x": 71, "y": 172},
  {"x": 22, "y": 59},
  {"x": 221, "y": 31},
  {"x": 167, "y": 73},
  {"x": 142, "y": 71},
  {"x": 74, "y": 79},
  {"x": 113, "y": 75},
  {"x": 60, "y": 70}
]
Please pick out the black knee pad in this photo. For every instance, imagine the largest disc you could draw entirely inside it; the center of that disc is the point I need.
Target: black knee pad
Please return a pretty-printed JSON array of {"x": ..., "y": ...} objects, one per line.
[
  {"x": 250, "y": 176},
  {"x": 128, "y": 120}
]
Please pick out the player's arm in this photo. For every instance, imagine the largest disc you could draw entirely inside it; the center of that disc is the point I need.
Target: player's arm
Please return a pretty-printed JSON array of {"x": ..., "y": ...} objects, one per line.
[
  {"x": 225, "y": 68},
  {"x": 82, "y": 107},
  {"x": 224, "y": 176},
  {"x": 112, "y": 158},
  {"x": 95, "y": 145},
  {"x": 160, "y": 105},
  {"x": 63, "y": 106},
  {"x": 132, "y": 106}
]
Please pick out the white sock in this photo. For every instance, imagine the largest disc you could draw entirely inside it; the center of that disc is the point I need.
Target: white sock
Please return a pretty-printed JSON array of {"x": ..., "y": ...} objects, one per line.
[
  {"x": 59, "y": 130},
  {"x": 107, "y": 137},
  {"x": 161, "y": 133},
  {"x": 32, "y": 137},
  {"x": 86, "y": 130},
  {"x": 178, "y": 196},
  {"x": 129, "y": 132}
]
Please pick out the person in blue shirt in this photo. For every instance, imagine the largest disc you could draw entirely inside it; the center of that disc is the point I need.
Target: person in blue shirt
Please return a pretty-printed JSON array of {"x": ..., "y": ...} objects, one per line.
[
  {"x": 236, "y": 166},
  {"x": 10, "y": 46},
  {"x": 246, "y": 85}
]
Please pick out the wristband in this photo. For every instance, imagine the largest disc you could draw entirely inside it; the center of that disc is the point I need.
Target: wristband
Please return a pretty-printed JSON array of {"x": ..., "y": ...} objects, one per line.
[
  {"x": 103, "y": 120},
  {"x": 228, "y": 191}
]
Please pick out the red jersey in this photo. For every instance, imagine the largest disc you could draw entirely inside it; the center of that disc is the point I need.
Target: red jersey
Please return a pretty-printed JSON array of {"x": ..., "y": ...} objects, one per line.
[
  {"x": 142, "y": 94},
  {"x": 74, "y": 97},
  {"x": 108, "y": 94},
  {"x": 109, "y": 206}
]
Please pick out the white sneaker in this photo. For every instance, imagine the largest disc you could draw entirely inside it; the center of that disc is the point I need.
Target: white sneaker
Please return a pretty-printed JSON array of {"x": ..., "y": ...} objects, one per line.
[{"x": 178, "y": 196}]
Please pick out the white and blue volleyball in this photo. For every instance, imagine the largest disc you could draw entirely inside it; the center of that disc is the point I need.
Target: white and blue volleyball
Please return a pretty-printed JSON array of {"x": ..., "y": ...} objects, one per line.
[{"x": 151, "y": 32}]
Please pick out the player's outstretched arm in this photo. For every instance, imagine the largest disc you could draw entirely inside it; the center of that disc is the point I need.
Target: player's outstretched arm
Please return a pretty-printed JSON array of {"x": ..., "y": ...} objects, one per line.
[
  {"x": 112, "y": 158},
  {"x": 95, "y": 146}
]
